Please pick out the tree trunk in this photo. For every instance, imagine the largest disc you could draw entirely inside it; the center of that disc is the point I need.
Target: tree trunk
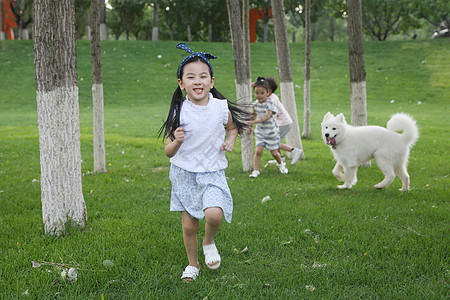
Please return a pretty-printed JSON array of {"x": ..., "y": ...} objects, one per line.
[
  {"x": 210, "y": 32},
  {"x": 243, "y": 91},
  {"x": 266, "y": 31},
  {"x": 155, "y": 23},
  {"x": 356, "y": 62},
  {"x": 58, "y": 115},
  {"x": 97, "y": 89},
  {"x": 246, "y": 41},
  {"x": 332, "y": 28},
  {"x": 307, "y": 85},
  {"x": 189, "y": 35},
  {"x": 285, "y": 73},
  {"x": 103, "y": 29}
]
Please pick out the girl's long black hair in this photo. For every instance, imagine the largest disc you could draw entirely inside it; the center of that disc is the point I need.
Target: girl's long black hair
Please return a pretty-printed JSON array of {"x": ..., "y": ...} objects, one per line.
[{"x": 239, "y": 115}]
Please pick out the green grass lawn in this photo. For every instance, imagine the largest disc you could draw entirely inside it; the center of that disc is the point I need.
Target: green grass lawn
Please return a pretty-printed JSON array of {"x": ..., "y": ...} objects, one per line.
[{"x": 311, "y": 240}]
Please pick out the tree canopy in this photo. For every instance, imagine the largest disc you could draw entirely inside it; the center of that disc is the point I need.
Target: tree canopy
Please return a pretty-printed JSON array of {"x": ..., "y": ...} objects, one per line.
[{"x": 207, "y": 20}]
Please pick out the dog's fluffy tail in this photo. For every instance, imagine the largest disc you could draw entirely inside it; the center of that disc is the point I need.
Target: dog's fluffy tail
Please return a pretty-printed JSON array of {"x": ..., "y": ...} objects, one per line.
[{"x": 405, "y": 123}]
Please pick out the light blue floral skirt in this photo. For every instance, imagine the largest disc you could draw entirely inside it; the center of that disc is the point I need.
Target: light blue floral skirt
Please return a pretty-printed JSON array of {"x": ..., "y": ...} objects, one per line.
[{"x": 194, "y": 192}]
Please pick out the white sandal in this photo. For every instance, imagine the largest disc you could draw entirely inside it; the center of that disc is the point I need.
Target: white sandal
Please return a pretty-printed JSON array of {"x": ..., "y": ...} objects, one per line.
[
  {"x": 211, "y": 256},
  {"x": 254, "y": 174},
  {"x": 190, "y": 273}
]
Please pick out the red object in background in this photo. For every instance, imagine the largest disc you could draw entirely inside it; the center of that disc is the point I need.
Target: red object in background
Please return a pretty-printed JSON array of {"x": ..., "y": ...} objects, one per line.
[
  {"x": 255, "y": 14},
  {"x": 10, "y": 20}
]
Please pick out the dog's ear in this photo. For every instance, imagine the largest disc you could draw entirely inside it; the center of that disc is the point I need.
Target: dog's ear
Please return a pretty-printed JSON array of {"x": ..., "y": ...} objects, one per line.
[
  {"x": 327, "y": 116},
  {"x": 340, "y": 117}
]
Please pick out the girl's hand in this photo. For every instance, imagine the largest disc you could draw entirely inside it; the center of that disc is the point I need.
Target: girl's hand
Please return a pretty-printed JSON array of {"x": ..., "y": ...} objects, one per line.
[
  {"x": 179, "y": 135},
  {"x": 249, "y": 130},
  {"x": 227, "y": 146}
]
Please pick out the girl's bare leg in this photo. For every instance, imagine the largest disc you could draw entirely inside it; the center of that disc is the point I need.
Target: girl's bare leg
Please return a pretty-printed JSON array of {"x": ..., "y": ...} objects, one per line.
[
  {"x": 276, "y": 155},
  {"x": 190, "y": 228},
  {"x": 213, "y": 217},
  {"x": 257, "y": 158}
]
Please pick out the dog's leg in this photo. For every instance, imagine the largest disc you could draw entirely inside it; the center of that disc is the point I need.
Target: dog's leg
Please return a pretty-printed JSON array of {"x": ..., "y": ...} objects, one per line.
[
  {"x": 350, "y": 177},
  {"x": 388, "y": 171},
  {"x": 403, "y": 174},
  {"x": 338, "y": 172}
]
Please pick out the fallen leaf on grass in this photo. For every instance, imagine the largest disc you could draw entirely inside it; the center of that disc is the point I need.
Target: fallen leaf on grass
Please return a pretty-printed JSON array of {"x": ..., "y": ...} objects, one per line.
[
  {"x": 265, "y": 199},
  {"x": 69, "y": 275},
  {"x": 310, "y": 288},
  {"x": 291, "y": 239},
  {"x": 317, "y": 265}
]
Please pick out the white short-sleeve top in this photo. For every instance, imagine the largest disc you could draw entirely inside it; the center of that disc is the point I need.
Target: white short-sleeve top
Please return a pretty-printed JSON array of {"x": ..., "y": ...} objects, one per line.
[
  {"x": 203, "y": 137},
  {"x": 283, "y": 117}
]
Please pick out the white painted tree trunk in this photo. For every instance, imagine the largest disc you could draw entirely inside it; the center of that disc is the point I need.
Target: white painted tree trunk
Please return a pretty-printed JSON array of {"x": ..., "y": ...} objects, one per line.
[
  {"x": 356, "y": 64},
  {"x": 97, "y": 90},
  {"x": 58, "y": 115},
  {"x": 99, "y": 128},
  {"x": 284, "y": 69},
  {"x": 243, "y": 86},
  {"x": 59, "y": 143},
  {"x": 358, "y": 99}
]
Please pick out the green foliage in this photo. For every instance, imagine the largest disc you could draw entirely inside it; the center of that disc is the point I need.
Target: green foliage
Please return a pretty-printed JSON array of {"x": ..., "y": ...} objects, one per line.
[
  {"x": 310, "y": 241},
  {"x": 434, "y": 11},
  {"x": 82, "y": 12},
  {"x": 382, "y": 18}
]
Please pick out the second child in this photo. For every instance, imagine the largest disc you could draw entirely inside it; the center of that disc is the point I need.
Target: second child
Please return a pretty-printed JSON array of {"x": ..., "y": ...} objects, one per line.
[
  {"x": 267, "y": 134},
  {"x": 284, "y": 121}
]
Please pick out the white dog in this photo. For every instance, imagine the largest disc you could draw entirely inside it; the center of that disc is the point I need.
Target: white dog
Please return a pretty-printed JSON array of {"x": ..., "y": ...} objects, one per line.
[{"x": 355, "y": 145}]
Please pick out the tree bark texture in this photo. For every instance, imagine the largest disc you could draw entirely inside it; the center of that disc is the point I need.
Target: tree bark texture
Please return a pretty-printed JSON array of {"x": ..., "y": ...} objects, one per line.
[
  {"x": 358, "y": 102},
  {"x": 97, "y": 90},
  {"x": 58, "y": 115},
  {"x": 307, "y": 84},
  {"x": 285, "y": 73},
  {"x": 243, "y": 91}
]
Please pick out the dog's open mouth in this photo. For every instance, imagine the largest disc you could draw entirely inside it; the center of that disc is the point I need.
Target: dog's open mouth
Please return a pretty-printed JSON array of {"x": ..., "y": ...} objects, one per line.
[{"x": 331, "y": 141}]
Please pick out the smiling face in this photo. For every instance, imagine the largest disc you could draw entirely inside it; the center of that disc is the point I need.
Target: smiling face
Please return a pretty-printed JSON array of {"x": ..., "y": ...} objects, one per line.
[
  {"x": 197, "y": 82},
  {"x": 261, "y": 94}
]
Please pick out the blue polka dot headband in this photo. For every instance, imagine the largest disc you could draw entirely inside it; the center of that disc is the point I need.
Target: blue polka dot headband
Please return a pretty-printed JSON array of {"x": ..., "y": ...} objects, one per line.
[{"x": 204, "y": 55}]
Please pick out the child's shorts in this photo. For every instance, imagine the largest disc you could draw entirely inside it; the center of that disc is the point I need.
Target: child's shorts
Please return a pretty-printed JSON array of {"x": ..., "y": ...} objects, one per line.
[
  {"x": 268, "y": 143},
  {"x": 194, "y": 192},
  {"x": 284, "y": 131}
]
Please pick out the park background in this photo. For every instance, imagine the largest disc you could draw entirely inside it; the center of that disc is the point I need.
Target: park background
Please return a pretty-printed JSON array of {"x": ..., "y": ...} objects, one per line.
[{"x": 310, "y": 240}]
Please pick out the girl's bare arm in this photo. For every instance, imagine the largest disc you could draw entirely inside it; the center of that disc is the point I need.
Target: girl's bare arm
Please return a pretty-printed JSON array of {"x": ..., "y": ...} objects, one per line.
[
  {"x": 232, "y": 133},
  {"x": 263, "y": 118},
  {"x": 172, "y": 146}
]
